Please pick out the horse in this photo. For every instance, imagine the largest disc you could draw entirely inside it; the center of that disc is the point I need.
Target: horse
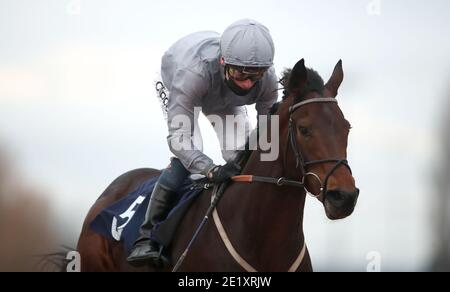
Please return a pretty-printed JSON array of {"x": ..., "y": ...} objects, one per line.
[{"x": 262, "y": 218}]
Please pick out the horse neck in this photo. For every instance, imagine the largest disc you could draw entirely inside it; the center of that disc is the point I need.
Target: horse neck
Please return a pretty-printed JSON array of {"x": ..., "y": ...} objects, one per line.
[
  {"x": 265, "y": 214},
  {"x": 284, "y": 205}
]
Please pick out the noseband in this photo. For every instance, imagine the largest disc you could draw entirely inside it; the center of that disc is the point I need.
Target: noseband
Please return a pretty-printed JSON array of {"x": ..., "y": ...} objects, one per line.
[{"x": 300, "y": 161}]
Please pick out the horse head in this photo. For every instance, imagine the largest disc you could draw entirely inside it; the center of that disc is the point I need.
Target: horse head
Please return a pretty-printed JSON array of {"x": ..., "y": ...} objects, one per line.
[{"x": 317, "y": 134}]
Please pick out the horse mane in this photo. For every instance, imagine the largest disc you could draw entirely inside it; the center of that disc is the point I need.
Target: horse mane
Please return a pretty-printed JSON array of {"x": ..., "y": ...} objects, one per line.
[{"x": 314, "y": 83}]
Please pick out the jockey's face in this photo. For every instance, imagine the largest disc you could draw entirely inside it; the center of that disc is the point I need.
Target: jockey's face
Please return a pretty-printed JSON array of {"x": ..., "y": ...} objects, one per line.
[{"x": 243, "y": 77}]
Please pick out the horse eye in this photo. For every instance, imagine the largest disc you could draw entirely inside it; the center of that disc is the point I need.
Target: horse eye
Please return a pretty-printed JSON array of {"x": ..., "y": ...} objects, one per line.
[{"x": 305, "y": 131}]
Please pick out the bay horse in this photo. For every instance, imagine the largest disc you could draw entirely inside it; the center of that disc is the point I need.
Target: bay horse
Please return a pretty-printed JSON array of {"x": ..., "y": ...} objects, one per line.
[{"x": 263, "y": 219}]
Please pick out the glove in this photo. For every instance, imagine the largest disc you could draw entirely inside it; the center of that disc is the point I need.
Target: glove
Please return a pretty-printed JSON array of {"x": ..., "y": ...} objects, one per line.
[{"x": 220, "y": 174}]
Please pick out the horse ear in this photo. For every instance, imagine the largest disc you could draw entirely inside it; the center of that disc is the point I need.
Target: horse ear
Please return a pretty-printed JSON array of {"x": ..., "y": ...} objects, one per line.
[
  {"x": 332, "y": 86},
  {"x": 298, "y": 78}
]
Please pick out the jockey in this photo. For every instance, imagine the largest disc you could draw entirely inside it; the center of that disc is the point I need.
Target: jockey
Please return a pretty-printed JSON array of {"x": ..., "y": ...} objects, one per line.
[{"x": 220, "y": 74}]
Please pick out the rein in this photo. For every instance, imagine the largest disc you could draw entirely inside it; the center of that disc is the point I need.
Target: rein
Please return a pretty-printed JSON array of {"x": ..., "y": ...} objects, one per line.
[{"x": 271, "y": 180}]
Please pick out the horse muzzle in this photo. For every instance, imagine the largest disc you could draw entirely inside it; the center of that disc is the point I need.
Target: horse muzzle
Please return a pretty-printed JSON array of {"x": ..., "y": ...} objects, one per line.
[{"x": 340, "y": 204}]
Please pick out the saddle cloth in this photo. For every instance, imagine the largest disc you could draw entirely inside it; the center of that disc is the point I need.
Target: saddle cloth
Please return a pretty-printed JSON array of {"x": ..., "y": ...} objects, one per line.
[{"x": 121, "y": 221}]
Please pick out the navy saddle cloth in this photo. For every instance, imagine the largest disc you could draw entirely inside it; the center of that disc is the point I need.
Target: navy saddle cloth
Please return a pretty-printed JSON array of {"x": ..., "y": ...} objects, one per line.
[{"x": 121, "y": 221}]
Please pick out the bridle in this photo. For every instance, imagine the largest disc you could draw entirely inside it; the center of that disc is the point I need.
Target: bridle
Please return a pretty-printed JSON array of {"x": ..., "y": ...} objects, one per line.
[{"x": 300, "y": 161}]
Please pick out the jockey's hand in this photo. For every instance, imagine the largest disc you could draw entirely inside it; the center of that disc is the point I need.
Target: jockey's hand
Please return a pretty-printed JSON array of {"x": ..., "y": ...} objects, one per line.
[{"x": 220, "y": 174}]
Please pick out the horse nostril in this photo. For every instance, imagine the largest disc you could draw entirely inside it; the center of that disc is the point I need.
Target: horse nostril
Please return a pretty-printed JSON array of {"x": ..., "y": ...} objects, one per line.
[
  {"x": 335, "y": 198},
  {"x": 334, "y": 195},
  {"x": 340, "y": 198}
]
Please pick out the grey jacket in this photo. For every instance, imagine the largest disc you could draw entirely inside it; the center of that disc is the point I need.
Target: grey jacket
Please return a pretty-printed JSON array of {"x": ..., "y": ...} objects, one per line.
[{"x": 192, "y": 73}]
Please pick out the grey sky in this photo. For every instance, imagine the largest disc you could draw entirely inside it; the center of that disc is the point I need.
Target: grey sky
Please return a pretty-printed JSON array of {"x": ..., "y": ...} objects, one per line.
[{"x": 77, "y": 106}]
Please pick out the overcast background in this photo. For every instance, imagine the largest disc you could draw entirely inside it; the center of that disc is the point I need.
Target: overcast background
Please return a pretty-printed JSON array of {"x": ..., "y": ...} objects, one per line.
[{"x": 78, "y": 109}]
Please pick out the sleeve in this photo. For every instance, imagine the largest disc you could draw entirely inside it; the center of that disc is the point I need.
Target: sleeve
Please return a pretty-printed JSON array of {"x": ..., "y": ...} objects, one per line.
[
  {"x": 184, "y": 138},
  {"x": 232, "y": 141},
  {"x": 269, "y": 93}
]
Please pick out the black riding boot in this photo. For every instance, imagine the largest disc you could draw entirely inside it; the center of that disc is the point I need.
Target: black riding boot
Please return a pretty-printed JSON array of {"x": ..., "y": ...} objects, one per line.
[{"x": 145, "y": 251}]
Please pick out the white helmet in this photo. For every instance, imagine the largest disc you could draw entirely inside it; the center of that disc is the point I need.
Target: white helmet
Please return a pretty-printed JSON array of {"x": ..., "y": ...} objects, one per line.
[{"x": 247, "y": 43}]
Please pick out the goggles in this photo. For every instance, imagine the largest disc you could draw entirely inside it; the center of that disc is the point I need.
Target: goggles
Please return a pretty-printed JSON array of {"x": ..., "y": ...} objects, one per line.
[{"x": 244, "y": 73}]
